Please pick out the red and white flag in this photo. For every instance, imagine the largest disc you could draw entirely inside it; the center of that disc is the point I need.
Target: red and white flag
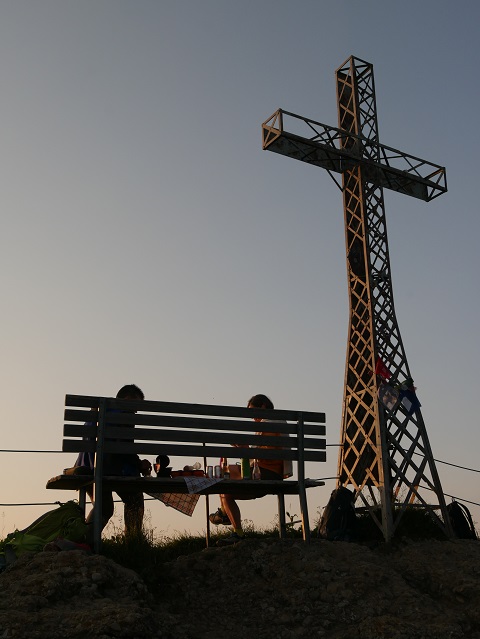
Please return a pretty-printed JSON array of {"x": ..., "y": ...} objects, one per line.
[{"x": 382, "y": 370}]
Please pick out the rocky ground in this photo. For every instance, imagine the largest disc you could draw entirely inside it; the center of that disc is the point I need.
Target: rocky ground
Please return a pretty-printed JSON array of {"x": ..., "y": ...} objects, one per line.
[{"x": 258, "y": 589}]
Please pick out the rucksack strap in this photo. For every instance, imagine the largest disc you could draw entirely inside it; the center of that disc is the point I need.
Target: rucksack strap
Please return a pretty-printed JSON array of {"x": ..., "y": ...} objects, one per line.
[{"x": 468, "y": 516}]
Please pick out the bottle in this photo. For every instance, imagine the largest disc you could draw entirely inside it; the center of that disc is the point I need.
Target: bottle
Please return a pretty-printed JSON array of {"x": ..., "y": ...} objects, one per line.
[
  {"x": 246, "y": 472},
  {"x": 225, "y": 468},
  {"x": 256, "y": 474}
]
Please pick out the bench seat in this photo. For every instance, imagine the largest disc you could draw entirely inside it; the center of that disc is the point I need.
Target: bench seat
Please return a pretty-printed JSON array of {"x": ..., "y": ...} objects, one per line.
[{"x": 179, "y": 485}]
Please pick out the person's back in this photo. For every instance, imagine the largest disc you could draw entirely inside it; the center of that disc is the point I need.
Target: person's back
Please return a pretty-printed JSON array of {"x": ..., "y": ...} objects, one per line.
[
  {"x": 229, "y": 512},
  {"x": 125, "y": 464}
]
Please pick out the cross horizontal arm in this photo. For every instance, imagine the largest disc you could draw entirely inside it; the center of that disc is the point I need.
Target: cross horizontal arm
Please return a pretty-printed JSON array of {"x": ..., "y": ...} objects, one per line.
[{"x": 336, "y": 150}]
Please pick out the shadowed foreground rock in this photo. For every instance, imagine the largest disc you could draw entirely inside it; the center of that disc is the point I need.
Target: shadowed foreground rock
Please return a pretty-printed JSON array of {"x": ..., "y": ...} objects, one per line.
[
  {"x": 267, "y": 589},
  {"x": 72, "y": 594}
]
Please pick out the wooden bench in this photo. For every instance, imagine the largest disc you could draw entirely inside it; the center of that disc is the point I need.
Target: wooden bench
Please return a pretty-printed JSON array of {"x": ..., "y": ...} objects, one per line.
[{"x": 194, "y": 431}]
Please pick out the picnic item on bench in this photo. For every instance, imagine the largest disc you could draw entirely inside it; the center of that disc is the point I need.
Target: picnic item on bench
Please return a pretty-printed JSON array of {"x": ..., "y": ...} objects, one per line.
[
  {"x": 256, "y": 474},
  {"x": 235, "y": 471},
  {"x": 246, "y": 472},
  {"x": 225, "y": 468},
  {"x": 185, "y": 503},
  {"x": 187, "y": 473},
  {"x": 78, "y": 470}
]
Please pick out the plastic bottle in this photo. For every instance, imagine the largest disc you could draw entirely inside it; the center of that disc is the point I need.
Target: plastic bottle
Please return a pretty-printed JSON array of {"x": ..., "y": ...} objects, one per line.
[
  {"x": 256, "y": 474},
  {"x": 246, "y": 472}
]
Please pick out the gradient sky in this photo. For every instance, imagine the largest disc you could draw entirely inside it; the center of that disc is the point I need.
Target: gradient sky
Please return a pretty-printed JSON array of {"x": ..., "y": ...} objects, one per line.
[{"x": 147, "y": 238}]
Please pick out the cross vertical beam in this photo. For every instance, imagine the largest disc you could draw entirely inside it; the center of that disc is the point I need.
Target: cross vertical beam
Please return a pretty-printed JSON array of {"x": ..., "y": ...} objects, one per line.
[
  {"x": 384, "y": 453},
  {"x": 363, "y": 442}
]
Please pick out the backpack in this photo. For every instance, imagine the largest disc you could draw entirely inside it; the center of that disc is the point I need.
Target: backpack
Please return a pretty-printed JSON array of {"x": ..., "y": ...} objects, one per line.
[
  {"x": 338, "y": 521},
  {"x": 461, "y": 521},
  {"x": 65, "y": 522}
]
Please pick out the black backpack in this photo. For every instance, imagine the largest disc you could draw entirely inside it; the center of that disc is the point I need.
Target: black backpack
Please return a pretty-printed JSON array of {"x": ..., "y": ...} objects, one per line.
[
  {"x": 461, "y": 521},
  {"x": 338, "y": 521}
]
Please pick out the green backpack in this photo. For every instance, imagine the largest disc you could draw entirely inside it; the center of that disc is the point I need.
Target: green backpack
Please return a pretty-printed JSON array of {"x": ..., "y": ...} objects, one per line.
[{"x": 65, "y": 522}]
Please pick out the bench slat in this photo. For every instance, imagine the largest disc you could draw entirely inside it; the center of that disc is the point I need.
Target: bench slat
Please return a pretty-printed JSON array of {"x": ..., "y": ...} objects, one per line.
[
  {"x": 194, "y": 423},
  {"x": 184, "y": 450},
  {"x": 194, "y": 409},
  {"x": 80, "y": 430},
  {"x": 205, "y": 437}
]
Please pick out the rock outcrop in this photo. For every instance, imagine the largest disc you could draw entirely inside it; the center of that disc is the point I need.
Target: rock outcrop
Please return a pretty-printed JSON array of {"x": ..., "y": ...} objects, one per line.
[{"x": 258, "y": 588}]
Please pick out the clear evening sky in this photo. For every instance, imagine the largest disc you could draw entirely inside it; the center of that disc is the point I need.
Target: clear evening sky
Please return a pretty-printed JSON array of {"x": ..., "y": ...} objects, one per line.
[{"x": 147, "y": 238}]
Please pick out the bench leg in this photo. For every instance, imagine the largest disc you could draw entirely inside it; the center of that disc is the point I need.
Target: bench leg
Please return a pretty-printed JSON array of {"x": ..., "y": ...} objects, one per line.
[
  {"x": 97, "y": 522},
  {"x": 207, "y": 512},
  {"x": 304, "y": 510},
  {"x": 82, "y": 499},
  {"x": 281, "y": 517}
]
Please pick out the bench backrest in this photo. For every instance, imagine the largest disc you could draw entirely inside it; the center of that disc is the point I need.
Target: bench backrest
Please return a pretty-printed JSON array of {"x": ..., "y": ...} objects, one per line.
[{"x": 189, "y": 430}]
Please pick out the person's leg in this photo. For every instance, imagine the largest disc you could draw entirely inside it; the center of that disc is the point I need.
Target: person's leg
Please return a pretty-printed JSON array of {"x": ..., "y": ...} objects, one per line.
[
  {"x": 133, "y": 509},
  {"x": 231, "y": 509}
]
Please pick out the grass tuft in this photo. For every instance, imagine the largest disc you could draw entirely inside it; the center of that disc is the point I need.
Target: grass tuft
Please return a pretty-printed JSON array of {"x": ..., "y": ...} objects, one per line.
[{"x": 148, "y": 552}]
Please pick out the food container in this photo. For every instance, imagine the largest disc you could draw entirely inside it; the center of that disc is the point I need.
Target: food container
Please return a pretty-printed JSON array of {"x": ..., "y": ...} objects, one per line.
[
  {"x": 235, "y": 471},
  {"x": 187, "y": 473}
]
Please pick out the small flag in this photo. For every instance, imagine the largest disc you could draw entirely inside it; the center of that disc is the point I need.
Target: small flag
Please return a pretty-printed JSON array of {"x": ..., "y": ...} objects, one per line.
[
  {"x": 382, "y": 370},
  {"x": 388, "y": 396},
  {"x": 410, "y": 401},
  {"x": 408, "y": 396}
]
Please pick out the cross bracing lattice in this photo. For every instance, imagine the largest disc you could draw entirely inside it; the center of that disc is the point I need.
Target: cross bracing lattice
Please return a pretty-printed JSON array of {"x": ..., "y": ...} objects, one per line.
[{"x": 385, "y": 454}]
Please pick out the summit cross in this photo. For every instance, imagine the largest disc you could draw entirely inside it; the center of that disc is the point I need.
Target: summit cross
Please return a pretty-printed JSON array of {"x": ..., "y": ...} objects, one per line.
[{"x": 385, "y": 454}]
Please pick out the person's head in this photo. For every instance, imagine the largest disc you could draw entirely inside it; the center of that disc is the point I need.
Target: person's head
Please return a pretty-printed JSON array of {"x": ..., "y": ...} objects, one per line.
[
  {"x": 130, "y": 391},
  {"x": 259, "y": 401}
]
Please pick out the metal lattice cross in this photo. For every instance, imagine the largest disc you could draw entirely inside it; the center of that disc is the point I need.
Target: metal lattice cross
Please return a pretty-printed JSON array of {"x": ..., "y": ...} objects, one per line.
[{"x": 385, "y": 454}]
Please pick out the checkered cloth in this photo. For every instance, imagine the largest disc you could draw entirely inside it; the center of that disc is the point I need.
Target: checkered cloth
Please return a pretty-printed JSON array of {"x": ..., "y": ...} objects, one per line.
[{"x": 186, "y": 503}]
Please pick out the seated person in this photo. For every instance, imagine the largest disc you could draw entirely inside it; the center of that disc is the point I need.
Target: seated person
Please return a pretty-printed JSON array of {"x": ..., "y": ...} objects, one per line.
[
  {"x": 122, "y": 464},
  {"x": 229, "y": 512}
]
